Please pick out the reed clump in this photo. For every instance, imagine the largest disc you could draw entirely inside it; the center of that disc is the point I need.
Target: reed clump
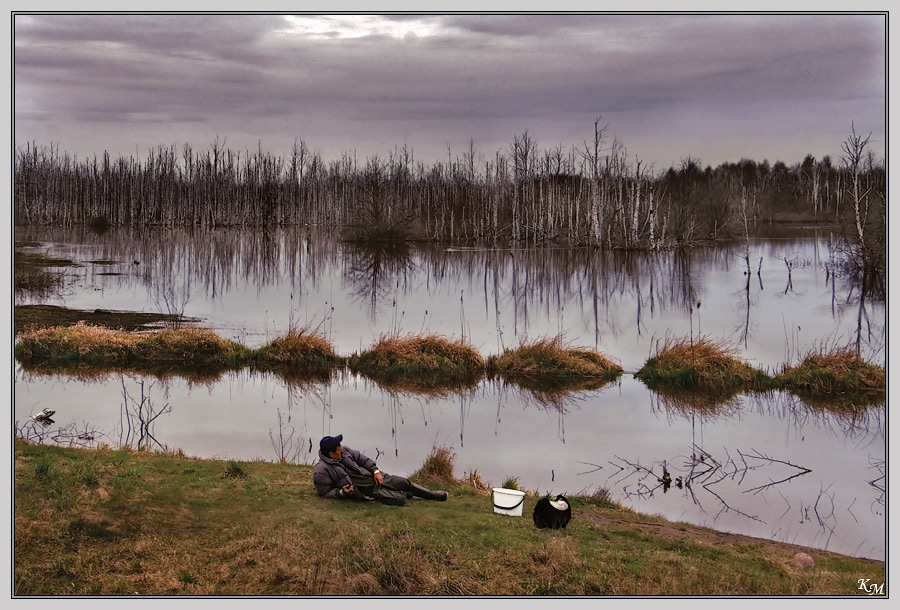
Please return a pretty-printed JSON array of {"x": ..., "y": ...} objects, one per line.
[
  {"x": 438, "y": 467},
  {"x": 551, "y": 361},
  {"x": 701, "y": 364},
  {"x": 103, "y": 347},
  {"x": 299, "y": 350},
  {"x": 838, "y": 373},
  {"x": 425, "y": 361}
]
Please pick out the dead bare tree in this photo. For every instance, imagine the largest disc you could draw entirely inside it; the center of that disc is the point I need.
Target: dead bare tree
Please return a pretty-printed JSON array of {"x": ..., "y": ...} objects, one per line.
[{"x": 854, "y": 148}]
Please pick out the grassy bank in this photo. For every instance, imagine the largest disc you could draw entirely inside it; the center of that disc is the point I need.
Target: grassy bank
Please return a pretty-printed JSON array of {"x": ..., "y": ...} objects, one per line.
[{"x": 121, "y": 522}]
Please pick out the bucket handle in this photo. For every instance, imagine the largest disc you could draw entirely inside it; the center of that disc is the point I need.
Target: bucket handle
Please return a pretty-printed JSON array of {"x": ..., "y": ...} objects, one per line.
[{"x": 516, "y": 505}]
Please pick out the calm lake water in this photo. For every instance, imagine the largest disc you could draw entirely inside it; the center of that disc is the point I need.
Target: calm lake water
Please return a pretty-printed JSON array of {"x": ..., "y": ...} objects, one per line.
[{"x": 768, "y": 466}]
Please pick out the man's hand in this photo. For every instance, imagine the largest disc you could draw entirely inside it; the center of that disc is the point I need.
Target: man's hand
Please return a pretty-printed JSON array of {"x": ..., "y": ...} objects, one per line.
[
  {"x": 347, "y": 489},
  {"x": 379, "y": 478}
]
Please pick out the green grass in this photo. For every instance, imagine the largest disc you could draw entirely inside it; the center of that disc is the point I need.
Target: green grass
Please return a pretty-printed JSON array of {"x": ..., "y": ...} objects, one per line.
[
  {"x": 190, "y": 527},
  {"x": 511, "y": 483}
]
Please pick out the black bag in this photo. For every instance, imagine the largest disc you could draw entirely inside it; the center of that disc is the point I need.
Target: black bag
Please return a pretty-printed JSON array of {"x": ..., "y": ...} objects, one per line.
[{"x": 553, "y": 514}]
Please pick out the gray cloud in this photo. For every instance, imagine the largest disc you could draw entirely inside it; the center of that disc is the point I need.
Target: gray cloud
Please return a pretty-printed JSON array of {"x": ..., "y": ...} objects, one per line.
[{"x": 714, "y": 87}]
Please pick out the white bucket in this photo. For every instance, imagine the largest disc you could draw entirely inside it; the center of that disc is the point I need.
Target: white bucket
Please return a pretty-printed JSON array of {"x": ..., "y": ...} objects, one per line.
[{"x": 508, "y": 501}]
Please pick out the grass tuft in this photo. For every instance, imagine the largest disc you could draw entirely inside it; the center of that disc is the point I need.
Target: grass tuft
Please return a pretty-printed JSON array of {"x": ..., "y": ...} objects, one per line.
[
  {"x": 701, "y": 364},
  {"x": 511, "y": 483},
  {"x": 31, "y": 276},
  {"x": 837, "y": 374},
  {"x": 421, "y": 362},
  {"x": 552, "y": 361},
  {"x": 299, "y": 352},
  {"x": 438, "y": 466},
  {"x": 233, "y": 470},
  {"x": 600, "y": 498}
]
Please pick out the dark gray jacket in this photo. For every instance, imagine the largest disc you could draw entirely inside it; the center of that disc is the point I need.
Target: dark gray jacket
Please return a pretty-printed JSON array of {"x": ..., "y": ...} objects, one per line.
[{"x": 331, "y": 475}]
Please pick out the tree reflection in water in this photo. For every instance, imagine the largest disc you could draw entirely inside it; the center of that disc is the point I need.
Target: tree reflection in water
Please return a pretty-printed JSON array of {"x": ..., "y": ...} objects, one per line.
[
  {"x": 245, "y": 282},
  {"x": 375, "y": 272}
]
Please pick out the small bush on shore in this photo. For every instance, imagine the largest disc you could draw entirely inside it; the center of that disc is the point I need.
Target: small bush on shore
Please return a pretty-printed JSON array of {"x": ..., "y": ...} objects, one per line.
[{"x": 438, "y": 467}]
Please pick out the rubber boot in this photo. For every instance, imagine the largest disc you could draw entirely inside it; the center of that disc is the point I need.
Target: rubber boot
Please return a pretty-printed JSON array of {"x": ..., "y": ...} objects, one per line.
[{"x": 421, "y": 492}]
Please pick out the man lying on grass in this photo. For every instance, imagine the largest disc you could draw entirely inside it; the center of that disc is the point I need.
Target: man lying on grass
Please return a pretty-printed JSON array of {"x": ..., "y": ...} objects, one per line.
[{"x": 343, "y": 472}]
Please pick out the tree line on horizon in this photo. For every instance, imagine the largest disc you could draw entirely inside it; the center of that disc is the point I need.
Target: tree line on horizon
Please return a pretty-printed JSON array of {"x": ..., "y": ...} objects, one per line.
[{"x": 593, "y": 195}]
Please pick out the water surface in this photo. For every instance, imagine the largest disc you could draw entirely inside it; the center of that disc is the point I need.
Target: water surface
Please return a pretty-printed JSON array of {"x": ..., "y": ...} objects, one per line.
[{"x": 768, "y": 466}]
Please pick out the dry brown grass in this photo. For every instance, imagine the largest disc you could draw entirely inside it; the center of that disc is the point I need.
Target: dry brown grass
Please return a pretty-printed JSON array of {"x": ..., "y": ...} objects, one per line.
[
  {"x": 438, "y": 466},
  {"x": 474, "y": 480},
  {"x": 298, "y": 355},
  {"x": 551, "y": 358},
  {"x": 834, "y": 378},
  {"x": 420, "y": 362},
  {"x": 97, "y": 344},
  {"x": 839, "y": 370},
  {"x": 701, "y": 363}
]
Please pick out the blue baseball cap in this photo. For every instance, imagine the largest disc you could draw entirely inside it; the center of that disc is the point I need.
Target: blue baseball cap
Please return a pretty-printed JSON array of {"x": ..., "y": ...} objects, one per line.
[{"x": 330, "y": 443}]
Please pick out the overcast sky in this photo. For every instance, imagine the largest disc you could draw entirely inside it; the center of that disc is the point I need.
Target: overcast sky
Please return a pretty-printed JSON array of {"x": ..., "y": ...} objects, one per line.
[{"x": 714, "y": 88}]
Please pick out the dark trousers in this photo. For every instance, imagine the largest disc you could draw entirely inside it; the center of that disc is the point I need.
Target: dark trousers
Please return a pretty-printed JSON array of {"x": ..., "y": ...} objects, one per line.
[{"x": 391, "y": 491}]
